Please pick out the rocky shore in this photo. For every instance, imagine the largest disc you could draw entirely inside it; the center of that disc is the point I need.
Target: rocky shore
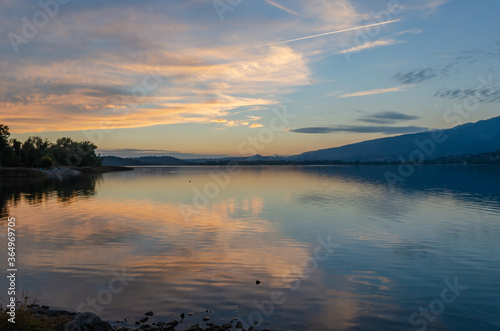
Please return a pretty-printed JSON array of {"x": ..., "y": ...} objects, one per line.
[
  {"x": 101, "y": 169},
  {"x": 60, "y": 172},
  {"x": 70, "y": 321}
]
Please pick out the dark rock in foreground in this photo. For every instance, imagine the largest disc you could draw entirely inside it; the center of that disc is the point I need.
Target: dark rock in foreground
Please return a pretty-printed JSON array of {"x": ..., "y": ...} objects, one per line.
[
  {"x": 78, "y": 321},
  {"x": 91, "y": 322},
  {"x": 86, "y": 322}
]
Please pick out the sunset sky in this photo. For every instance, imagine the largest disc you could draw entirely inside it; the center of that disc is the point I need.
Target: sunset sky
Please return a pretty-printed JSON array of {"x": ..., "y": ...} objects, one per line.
[{"x": 202, "y": 76}]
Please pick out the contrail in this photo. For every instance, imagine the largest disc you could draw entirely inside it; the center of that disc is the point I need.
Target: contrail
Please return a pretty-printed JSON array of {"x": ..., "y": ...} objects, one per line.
[
  {"x": 333, "y": 32},
  {"x": 280, "y": 6}
]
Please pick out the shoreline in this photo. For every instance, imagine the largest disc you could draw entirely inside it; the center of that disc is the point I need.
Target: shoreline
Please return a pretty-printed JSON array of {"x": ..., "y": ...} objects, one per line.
[
  {"x": 21, "y": 172},
  {"x": 63, "y": 320}
]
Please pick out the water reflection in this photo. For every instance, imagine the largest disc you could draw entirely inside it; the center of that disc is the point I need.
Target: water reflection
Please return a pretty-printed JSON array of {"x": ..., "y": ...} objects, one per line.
[
  {"x": 36, "y": 191},
  {"x": 396, "y": 245},
  {"x": 472, "y": 180}
]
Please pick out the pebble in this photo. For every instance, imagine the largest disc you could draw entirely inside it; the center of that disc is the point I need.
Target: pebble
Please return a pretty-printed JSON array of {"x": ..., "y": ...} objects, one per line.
[{"x": 173, "y": 323}]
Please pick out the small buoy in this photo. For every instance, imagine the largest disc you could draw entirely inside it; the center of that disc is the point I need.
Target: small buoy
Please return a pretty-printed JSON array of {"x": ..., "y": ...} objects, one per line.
[{"x": 257, "y": 282}]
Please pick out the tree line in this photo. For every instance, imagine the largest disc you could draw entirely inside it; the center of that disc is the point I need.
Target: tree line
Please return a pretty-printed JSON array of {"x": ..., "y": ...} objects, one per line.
[{"x": 36, "y": 152}]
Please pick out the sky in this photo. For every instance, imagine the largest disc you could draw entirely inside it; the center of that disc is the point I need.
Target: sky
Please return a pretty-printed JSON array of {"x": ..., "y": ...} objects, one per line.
[{"x": 239, "y": 77}]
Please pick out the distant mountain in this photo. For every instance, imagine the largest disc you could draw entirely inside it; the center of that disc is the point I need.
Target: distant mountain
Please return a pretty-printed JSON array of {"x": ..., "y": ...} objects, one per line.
[
  {"x": 470, "y": 138},
  {"x": 141, "y": 161},
  {"x": 253, "y": 158},
  {"x": 160, "y": 160},
  {"x": 466, "y": 140},
  {"x": 119, "y": 161}
]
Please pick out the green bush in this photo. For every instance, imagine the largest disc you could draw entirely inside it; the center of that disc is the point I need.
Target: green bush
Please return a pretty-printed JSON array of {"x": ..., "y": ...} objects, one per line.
[{"x": 46, "y": 162}]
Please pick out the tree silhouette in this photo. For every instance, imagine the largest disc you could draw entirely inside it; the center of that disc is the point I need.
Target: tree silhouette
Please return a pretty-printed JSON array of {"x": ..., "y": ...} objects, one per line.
[{"x": 30, "y": 153}]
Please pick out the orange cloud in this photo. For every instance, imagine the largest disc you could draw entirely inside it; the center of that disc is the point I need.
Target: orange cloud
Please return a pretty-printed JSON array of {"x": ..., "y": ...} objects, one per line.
[
  {"x": 219, "y": 120},
  {"x": 117, "y": 93}
]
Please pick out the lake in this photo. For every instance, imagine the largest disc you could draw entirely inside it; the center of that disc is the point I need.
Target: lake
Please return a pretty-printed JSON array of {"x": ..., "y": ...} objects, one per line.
[{"x": 334, "y": 247}]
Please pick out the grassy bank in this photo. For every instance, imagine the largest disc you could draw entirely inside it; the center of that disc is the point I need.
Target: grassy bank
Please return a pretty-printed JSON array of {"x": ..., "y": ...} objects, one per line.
[{"x": 27, "y": 320}]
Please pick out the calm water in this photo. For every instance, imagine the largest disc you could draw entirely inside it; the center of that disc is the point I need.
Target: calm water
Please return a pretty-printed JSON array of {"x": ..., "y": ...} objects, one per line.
[{"x": 334, "y": 247}]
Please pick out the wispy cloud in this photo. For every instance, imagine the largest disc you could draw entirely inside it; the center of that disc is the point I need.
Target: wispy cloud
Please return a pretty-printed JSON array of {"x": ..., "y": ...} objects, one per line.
[
  {"x": 419, "y": 75},
  {"x": 230, "y": 123},
  {"x": 387, "y": 117},
  {"x": 361, "y": 129},
  {"x": 219, "y": 120},
  {"x": 435, "y": 3},
  {"x": 450, "y": 64},
  {"x": 411, "y": 31},
  {"x": 280, "y": 6},
  {"x": 430, "y": 6},
  {"x": 254, "y": 118},
  {"x": 482, "y": 94},
  {"x": 376, "y": 91},
  {"x": 233, "y": 123},
  {"x": 371, "y": 44}
]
